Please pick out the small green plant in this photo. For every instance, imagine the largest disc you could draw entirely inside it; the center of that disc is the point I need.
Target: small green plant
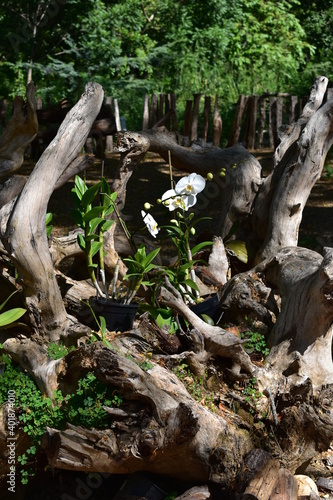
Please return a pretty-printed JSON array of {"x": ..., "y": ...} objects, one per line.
[
  {"x": 195, "y": 386},
  {"x": 85, "y": 407},
  {"x": 92, "y": 218},
  {"x": 101, "y": 323},
  {"x": 10, "y": 317},
  {"x": 251, "y": 393},
  {"x": 146, "y": 365},
  {"x": 57, "y": 351},
  {"x": 256, "y": 343},
  {"x": 49, "y": 227}
]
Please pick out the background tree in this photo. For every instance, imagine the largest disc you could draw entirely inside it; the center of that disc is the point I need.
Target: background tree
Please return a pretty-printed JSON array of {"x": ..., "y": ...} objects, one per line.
[{"x": 132, "y": 48}]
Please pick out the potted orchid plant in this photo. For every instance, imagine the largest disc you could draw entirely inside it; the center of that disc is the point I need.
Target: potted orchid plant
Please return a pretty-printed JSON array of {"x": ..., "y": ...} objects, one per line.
[
  {"x": 179, "y": 199},
  {"x": 113, "y": 302}
]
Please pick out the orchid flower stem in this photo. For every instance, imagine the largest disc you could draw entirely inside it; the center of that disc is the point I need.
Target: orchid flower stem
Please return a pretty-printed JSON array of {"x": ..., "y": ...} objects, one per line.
[
  {"x": 124, "y": 227},
  {"x": 170, "y": 170}
]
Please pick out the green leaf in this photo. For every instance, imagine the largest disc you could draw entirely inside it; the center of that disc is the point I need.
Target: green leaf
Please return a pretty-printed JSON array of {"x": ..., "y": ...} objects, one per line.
[
  {"x": 90, "y": 194},
  {"x": 107, "y": 224},
  {"x": 7, "y": 299},
  {"x": 93, "y": 213},
  {"x": 77, "y": 217},
  {"x": 186, "y": 266},
  {"x": 241, "y": 250},
  {"x": 102, "y": 324},
  {"x": 81, "y": 241},
  {"x": 105, "y": 188},
  {"x": 207, "y": 319},
  {"x": 80, "y": 187},
  {"x": 94, "y": 223},
  {"x": 95, "y": 246},
  {"x": 49, "y": 231},
  {"x": 151, "y": 256},
  {"x": 11, "y": 316},
  {"x": 191, "y": 284},
  {"x": 201, "y": 245},
  {"x": 49, "y": 217}
]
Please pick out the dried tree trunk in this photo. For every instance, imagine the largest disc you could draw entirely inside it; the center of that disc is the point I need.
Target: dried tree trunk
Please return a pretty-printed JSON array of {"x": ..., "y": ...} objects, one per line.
[
  {"x": 293, "y": 290},
  {"x": 24, "y": 235},
  {"x": 299, "y": 161},
  {"x": 160, "y": 428},
  {"x": 269, "y": 210},
  {"x": 240, "y": 178}
]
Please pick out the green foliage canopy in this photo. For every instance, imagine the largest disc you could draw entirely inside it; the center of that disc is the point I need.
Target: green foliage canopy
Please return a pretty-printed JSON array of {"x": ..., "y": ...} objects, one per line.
[{"x": 136, "y": 47}]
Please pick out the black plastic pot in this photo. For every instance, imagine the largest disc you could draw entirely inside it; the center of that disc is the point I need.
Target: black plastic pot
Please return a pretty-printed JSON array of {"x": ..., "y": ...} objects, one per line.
[
  {"x": 209, "y": 306},
  {"x": 118, "y": 317}
]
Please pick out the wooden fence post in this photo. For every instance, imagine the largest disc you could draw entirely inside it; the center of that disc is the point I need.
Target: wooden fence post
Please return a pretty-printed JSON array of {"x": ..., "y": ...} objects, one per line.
[
  {"x": 206, "y": 114},
  {"x": 237, "y": 123},
  {"x": 271, "y": 120},
  {"x": 252, "y": 122},
  {"x": 3, "y": 112},
  {"x": 116, "y": 115},
  {"x": 160, "y": 107},
  {"x": 145, "y": 118},
  {"x": 109, "y": 138},
  {"x": 217, "y": 124},
  {"x": 187, "y": 119},
  {"x": 153, "y": 115},
  {"x": 292, "y": 108},
  {"x": 246, "y": 129},
  {"x": 39, "y": 103},
  {"x": 167, "y": 109},
  {"x": 261, "y": 121},
  {"x": 174, "y": 115},
  {"x": 195, "y": 114}
]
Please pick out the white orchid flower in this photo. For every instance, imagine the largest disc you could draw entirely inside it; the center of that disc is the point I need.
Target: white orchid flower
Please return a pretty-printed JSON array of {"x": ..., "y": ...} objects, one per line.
[
  {"x": 151, "y": 223},
  {"x": 175, "y": 200},
  {"x": 190, "y": 185}
]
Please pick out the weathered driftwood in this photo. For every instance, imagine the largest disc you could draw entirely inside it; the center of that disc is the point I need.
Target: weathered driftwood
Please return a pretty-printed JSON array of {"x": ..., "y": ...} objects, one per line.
[
  {"x": 263, "y": 482},
  {"x": 294, "y": 289},
  {"x": 159, "y": 428},
  {"x": 298, "y": 293},
  {"x": 286, "y": 487},
  {"x": 238, "y": 184},
  {"x": 269, "y": 210},
  {"x": 24, "y": 235},
  {"x": 33, "y": 358},
  {"x": 299, "y": 164},
  {"x": 217, "y": 341}
]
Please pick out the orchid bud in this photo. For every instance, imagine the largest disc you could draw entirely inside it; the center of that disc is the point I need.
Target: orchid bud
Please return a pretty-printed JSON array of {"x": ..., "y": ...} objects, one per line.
[
  {"x": 222, "y": 173},
  {"x": 210, "y": 176},
  {"x": 166, "y": 203},
  {"x": 159, "y": 201},
  {"x": 174, "y": 221},
  {"x": 147, "y": 206},
  {"x": 192, "y": 231}
]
